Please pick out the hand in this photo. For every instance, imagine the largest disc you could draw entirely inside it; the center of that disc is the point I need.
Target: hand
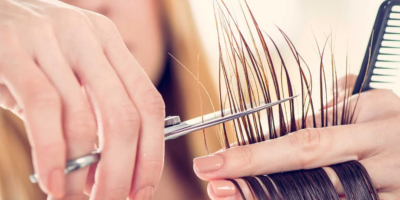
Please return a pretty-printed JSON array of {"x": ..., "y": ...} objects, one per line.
[
  {"x": 344, "y": 88},
  {"x": 49, "y": 53},
  {"x": 373, "y": 140}
]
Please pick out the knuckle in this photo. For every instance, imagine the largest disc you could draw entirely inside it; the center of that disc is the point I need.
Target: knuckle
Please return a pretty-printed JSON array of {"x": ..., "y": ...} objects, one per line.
[
  {"x": 307, "y": 142},
  {"x": 154, "y": 102},
  {"x": 105, "y": 21},
  {"x": 71, "y": 16},
  {"x": 69, "y": 13},
  {"x": 81, "y": 126},
  {"x": 123, "y": 121},
  {"x": 152, "y": 163},
  {"x": 102, "y": 21},
  {"x": 244, "y": 156},
  {"x": 104, "y": 25}
]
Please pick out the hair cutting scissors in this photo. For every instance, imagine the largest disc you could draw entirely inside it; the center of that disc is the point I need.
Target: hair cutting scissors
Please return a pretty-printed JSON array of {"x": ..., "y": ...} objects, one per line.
[{"x": 174, "y": 128}]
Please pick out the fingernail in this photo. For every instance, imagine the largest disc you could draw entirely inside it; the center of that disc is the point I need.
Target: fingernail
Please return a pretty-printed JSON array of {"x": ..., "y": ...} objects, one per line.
[
  {"x": 57, "y": 183},
  {"x": 223, "y": 188},
  {"x": 208, "y": 163},
  {"x": 145, "y": 193}
]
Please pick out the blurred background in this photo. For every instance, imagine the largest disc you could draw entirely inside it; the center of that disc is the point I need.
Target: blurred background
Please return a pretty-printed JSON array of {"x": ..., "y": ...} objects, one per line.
[{"x": 349, "y": 21}]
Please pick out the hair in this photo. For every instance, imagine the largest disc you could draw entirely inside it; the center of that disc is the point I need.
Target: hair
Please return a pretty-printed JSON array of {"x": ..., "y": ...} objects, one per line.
[
  {"x": 248, "y": 74},
  {"x": 180, "y": 94}
]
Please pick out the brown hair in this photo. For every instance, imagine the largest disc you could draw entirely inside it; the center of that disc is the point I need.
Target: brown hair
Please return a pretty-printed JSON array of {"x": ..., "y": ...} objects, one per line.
[{"x": 261, "y": 80}]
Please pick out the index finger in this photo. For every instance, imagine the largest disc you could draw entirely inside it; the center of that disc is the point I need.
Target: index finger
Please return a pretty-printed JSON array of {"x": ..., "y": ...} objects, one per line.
[
  {"x": 144, "y": 95},
  {"x": 304, "y": 149}
]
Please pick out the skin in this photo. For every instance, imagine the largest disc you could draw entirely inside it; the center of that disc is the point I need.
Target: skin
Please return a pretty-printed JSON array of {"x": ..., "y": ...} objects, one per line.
[
  {"x": 71, "y": 77},
  {"x": 373, "y": 140}
]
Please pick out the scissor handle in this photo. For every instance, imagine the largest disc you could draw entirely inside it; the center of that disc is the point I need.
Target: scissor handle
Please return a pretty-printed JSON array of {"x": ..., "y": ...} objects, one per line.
[
  {"x": 75, "y": 164},
  {"x": 94, "y": 157}
]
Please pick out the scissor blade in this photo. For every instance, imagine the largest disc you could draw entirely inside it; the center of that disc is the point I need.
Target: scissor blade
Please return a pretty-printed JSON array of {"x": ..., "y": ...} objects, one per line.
[
  {"x": 215, "y": 115},
  {"x": 188, "y": 126}
]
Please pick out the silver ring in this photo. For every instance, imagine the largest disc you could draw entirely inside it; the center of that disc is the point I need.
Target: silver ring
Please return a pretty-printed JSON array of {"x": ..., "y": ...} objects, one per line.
[{"x": 74, "y": 165}]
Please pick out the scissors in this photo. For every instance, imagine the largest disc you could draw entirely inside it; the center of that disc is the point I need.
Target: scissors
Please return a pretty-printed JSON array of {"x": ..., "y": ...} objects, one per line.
[{"x": 174, "y": 128}]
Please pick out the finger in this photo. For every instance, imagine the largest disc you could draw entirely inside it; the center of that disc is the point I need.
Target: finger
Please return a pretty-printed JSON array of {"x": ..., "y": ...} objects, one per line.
[
  {"x": 339, "y": 98},
  {"x": 78, "y": 120},
  {"x": 142, "y": 92},
  {"x": 335, "y": 181},
  {"x": 117, "y": 117},
  {"x": 344, "y": 88},
  {"x": 90, "y": 179},
  {"x": 305, "y": 149},
  {"x": 226, "y": 190},
  {"x": 41, "y": 106},
  {"x": 347, "y": 81},
  {"x": 378, "y": 167},
  {"x": 7, "y": 101},
  {"x": 364, "y": 105},
  {"x": 389, "y": 195}
]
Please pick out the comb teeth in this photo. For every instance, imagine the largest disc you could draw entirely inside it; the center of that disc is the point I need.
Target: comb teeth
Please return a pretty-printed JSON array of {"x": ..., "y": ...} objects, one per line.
[
  {"x": 392, "y": 30},
  {"x": 389, "y": 51},
  {"x": 385, "y": 72},
  {"x": 392, "y": 37},
  {"x": 395, "y": 9},
  {"x": 394, "y": 15}
]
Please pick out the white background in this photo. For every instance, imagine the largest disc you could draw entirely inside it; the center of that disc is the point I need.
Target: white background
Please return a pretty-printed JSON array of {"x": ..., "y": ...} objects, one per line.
[{"x": 351, "y": 22}]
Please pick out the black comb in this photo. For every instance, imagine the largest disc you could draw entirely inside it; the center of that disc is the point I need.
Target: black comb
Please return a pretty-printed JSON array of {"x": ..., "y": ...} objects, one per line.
[{"x": 384, "y": 66}]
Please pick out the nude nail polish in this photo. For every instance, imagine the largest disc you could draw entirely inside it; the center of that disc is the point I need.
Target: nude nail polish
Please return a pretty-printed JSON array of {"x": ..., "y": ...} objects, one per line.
[
  {"x": 208, "y": 163},
  {"x": 223, "y": 188}
]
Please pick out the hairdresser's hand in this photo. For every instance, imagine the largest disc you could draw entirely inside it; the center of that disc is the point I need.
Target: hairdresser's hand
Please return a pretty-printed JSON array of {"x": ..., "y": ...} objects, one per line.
[
  {"x": 49, "y": 51},
  {"x": 342, "y": 89},
  {"x": 374, "y": 140}
]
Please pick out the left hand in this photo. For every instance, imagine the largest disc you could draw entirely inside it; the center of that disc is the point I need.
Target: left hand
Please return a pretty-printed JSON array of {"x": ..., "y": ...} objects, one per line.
[{"x": 374, "y": 140}]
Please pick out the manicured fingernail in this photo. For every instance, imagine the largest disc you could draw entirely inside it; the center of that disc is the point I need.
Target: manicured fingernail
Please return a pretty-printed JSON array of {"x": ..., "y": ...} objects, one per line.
[
  {"x": 223, "y": 188},
  {"x": 57, "y": 183},
  {"x": 208, "y": 163},
  {"x": 145, "y": 193}
]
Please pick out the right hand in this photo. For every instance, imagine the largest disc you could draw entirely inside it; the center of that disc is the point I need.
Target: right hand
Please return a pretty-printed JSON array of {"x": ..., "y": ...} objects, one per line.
[{"x": 49, "y": 53}]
